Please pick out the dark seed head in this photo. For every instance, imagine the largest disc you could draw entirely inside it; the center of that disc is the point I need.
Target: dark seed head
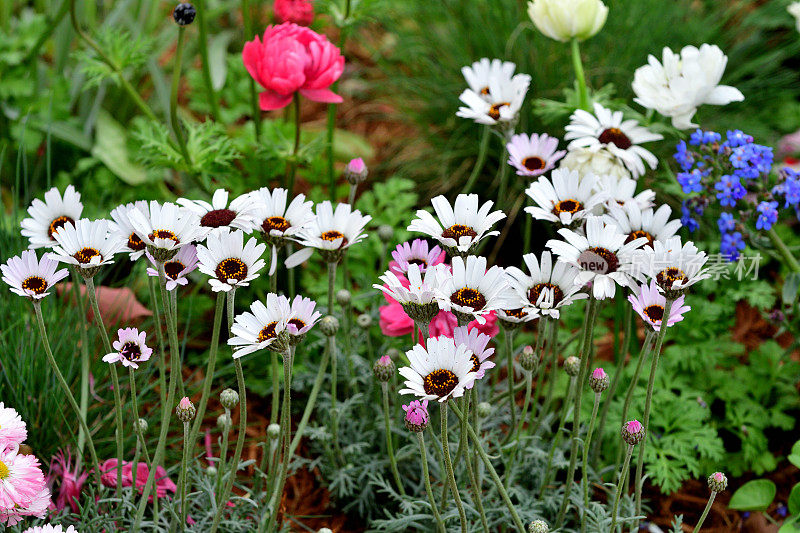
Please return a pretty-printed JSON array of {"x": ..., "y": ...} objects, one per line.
[{"x": 184, "y": 14}]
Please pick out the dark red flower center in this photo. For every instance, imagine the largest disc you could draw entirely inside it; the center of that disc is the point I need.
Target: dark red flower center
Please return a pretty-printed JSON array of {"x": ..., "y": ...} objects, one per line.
[
  {"x": 440, "y": 382},
  {"x": 567, "y": 206},
  {"x": 494, "y": 111},
  {"x": 268, "y": 332},
  {"x": 275, "y": 223},
  {"x": 459, "y": 230},
  {"x": 467, "y": 297},
  {"x": 131, "y": 351},
  {"x": 173, "y": 268},
  {"x": 218, "y": 218},
  {"x": 35, "y": 284},
  {"x": 84, "y": 255},
  {"x": 135, "y": 243},
  {"x": 231, "y": 268},
  {"x": 654, "y": 312},
  {"x": 534, "y": 163},
  {"x": 615, "y": 136},
  {"x": 59, "y": 222}
]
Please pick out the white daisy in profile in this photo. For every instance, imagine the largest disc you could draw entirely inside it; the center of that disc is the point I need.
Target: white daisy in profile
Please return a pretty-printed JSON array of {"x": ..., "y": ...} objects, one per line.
[
  {"x": 439, "y": 371},
  {"x": 566, "y": 197},
  {"x": 417, "y": 291},
  {"x": 130, "y": 348},
  {"x": 621, "y": 191},
  {"x": 87, "y": 244},
  {"x": 331, "y": 232},
  {"x": 417, "y": 252},
  {"x": 470, "y": 291},
  {"x": 481, "y": 72},
  {"x": 548, "y": 287},
  {"x": 608, "y": 130},
  {"x": 500, "y": 105},
  {"x": 304, "y": 316},
  {"x": 47, "y": 216},
  {"x": 277, "y": 222},
  {"x": 674, "y": 266},
  {"x": 261, "y": 327},
  {"x": 533, "y": 155},
  {"x": 476, "y": 342},
  {"x": 602, "y": 256},
  {"x": 228, "y": 260},
  {"x": 650, "y": 304},
  {"x": 177, "y": 268},
  {"x": 218, "y": 214},
  {"x": 12, "y": 427},
  {"x": 516, "y": 315},
  {"x": 637, "y": 222},
  {"x": 124, "y": 230},
  {"x": 599, "y": 162},
  {"x": 461, "y": 227},
  {"x": 28, "y": 276},
  {"x": 165, "y": 228}
]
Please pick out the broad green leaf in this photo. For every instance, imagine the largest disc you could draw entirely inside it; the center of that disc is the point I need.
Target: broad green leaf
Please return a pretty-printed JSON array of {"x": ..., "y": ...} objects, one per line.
[
  {"x": 794, "y": 500},
  {"x": 790, "y": 287},
  {"x": 791, "y": 525},
  {"x": 794, "y": 455},
  {"x": 754, "y": 495},
  {"x": 111, "y": 147},
  {"x": 218, "y": 58}
]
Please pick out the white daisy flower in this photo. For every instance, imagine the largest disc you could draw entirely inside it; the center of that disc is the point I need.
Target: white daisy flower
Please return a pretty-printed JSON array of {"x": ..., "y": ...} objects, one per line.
[
  {"x": 304, "y": 316},
  {"x": 459, "y": 228},
  {"x": 476, "y": 342},
  {"x": 50, "y": 528},
  {"x": 439, "y": 371},
  {"x": 218, "y": 214},
  {"x": 165, "y": 228},
  {"x": 516, "y": 315},
  {"x": 417, "y": 291},
  {"x": 12, "y": 427},
  {"x": 130, "y": 347},
  {"x": 261, "y": 328},
  {"x": 470, "y": 291},
  {"x": 569, "y": 198},
  {"x": 124, "y": 230},
  {"x": 230, "y": 261},
  {"x": 548, "y": 288},
  {"x": 277, "y": 222},
  {"x": 673, "y": 266},
  {"x": 481, "y": 72},
  {"x": 636, "y": 222},
  {"x": 331, "y": 232},
  {"x": 48, "y": 216},
  {"x": 602, "y": 256},
  {"x": 681, "y": 83},
  {"x": 622, "y": 191},
  {"x": 87, "y": 244},
  {"x": 606, "y": 129},
  {"x": 177, "y": 268},
  {"x": 599, "y": 162},
  {"x": 500, "y": 105},
  {"x": 533, "y": 155},
  {"x": 28, "y": 276}
]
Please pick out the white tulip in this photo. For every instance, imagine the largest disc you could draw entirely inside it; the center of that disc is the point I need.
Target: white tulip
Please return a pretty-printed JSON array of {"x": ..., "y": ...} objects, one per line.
[{"x": 564, "y": 20}]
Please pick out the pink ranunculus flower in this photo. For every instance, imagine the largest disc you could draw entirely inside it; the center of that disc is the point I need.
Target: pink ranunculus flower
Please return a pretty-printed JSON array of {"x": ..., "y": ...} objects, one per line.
[
  {"x": 298, "y": 11},
  {"x": 164, "y": 484},
  {"x": 290, "y": 59},
  {"x": 70, "y": 481}
]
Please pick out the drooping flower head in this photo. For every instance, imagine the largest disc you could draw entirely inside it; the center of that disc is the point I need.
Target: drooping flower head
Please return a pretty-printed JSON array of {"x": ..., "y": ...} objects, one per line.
[
  {"x": 439, "y": 371},
  {"x": 289, "y": 59},
  {"x": 471, "y": 291},
  {"x": 177, "y": 268},
  {"x": 261, "y": 327},
  {"x": 548, "y": 288},
  {"x": 230, "y": 261},
  {"x": 476, "y": 342},
  {"x": 12, "y": 428},
  {"x": 417, "y": 416},
  {"x": 165, "y": 228},
  {"x": 130, "y": 348},
  {"x": 533, "y": 155},
  {"x": 300, "y": 12},
  {"x": 565, "y": 198},
  {"x": 47, "y": 216},
  {"x": 415, "y": 253},
  {"x": 649, "y": 303},
  {"x": 218, "y": 214},
  {"x": 564, "y": 20},
  {"x": 331, "y": 231},
  {"x": 28, "y": 276},
  {"x": 87, "y": 244}
]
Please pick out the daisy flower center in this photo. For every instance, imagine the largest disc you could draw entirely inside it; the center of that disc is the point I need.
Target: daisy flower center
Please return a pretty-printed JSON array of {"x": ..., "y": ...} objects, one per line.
[
  {"x": 440, "y": 382},
  {"x": 84, "y": 255},
  {"x": 4, "y": 470},
  {"x": 332, "y": 235},
  {"x": 654, "y": 312},
  {"x": 296, "y": 322},
  {"x": 35, "y": 284},
  {"x": 58, "y": 223},
  {"x": 485, "y": 91},
  {"x": 231, "y": 268},
  {"x": 268, "y": 332},
  {"x": 467, "y": 297},
  {"x": 275, "y": 223},
  {"x": 669, "y": 276},
  {"x": 131, "y": 351},
  {"x": 218, "y": 218},
  {"x": 476, "y": 363},
  {"x": 640, "y": 233},
  {"x": 536, "y": 291},
  {"x": 135, "y": 243},
  {"x": 164, "y": 234},
  {"x": 534, "y": 163},
  {"x": 173, "y": 269},
  {"x": 417, "y": 261},
  {"x": 494, "y": 111},
  {"x": 515, "y": 313},
  {"x": 599, "y": 260},
  {"x": 457, "y": 231},
  {"x": 567, "y": 206},
  {"x": 616, "y": 137}
]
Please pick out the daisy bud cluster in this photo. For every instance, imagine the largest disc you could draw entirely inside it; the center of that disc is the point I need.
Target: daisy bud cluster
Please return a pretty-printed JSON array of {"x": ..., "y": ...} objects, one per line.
[
  {"x": 384, "y": 369},
  {"x": 185, "y": 410},
  {"x": 538, "y": 526},
  {"x": 599, "y": 380},
  {"x": 717, "y": 482},
  {"x": 633, "y": 432}
]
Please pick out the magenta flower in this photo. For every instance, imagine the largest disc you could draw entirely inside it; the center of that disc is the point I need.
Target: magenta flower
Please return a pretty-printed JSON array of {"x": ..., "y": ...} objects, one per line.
[
  {"x": 476, "y": 342},
  {"x": 130, "y": 348},
  {"x": 164, "y": 484},
  {"x": 12, "y": 427},
  {"x": 70, "y": 481},
  {"x": 418, "y": 253},
  {"x": 649, "y": 303},
  {"x": 533, "y": 156},
  {"x": 21, "y": 478},
  {"x": 416, "y": 415},
  {"x": 290, "y": 59},
  {"x": 177, "y": 268},
  {"x": 298, "y": 11}
]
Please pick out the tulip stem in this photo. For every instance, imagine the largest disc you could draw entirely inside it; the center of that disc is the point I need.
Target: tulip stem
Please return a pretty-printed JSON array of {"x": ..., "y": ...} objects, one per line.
[{"x": 580, "y": 77}]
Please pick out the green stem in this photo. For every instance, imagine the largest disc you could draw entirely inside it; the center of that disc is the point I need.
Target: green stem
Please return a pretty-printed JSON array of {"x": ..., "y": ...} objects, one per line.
[
  {"x": 312, "y": 399},
  {"x": 528, "y": 231},
  {"x": 504, "y": 166},
  {"x": 483, "y": 149},
  {"x": 647, "y": 345},
  {"x": 203, "y": 38},
  {"x": 550, "y": 379},
  {"x": 286, "y": 430},
  {"x": 331, "y": 284},
  {"x": 557, "y": 435},
  {"x": 508, "y": 339},
  {"x": 223, "y": 457},
  {"x": 266, "y": 457},
  {"x": 427, "y": 478},
  {"x": 475, "y": 483},
  {"x": 790, "y": 259},
  {"x": 184, "y": 461},
  {"x": 173, "y": 101},
  {"x": 389, "y": 445},
  {"x": 162, "y": 370},
  {"x": 580, "y": 77},
  {"x": 585, "y": 465},
  {"x": 451, "y": 478},
  {"x": 291, "y": 168},
  {"x": 622, "y": 475},
  {"x": 211, "y": 365},
  {"x": 705, "y": 512},
  {"x": 37, "y": 307},
  {"x": 137, "y": 429},
  {"x": 85, "y": 363}
]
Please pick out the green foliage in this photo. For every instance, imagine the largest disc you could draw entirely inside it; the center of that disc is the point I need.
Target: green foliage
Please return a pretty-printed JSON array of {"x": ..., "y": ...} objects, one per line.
[
  {"x": 754, "y": 495},
  {"x": 121, "y": 48}
]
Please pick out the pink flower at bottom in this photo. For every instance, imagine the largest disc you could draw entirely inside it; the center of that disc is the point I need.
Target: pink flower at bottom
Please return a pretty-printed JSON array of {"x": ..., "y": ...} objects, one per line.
[
  {"x": 37, "y": 508},
  {"x": 21, "y": 478},
  {"x": 108, "y": 477},
  {"x": 298, "y": 11},
  {"x": 71, "y": 481}
]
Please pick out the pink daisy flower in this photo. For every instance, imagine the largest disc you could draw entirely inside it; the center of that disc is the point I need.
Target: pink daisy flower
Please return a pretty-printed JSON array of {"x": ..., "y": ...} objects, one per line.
[
  {"x": 177, "y": 268},
  {"x": 417, "y": 253},
  {"x": 21, "y": 478},
  {"x": 12, "y": 427},
  {"x": 37, "y": 508},
  {"x": 534, "y": 155},
  {"x": 476, "y": 342},
  {"x": 649, "y": 303},
  {"x": 130, "y": 348}
]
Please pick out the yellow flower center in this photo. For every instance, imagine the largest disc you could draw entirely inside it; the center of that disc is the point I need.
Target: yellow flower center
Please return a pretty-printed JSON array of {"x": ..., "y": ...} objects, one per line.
[
  {"x": 84, "y": 255},
  {"x": 4, "y": 471}
]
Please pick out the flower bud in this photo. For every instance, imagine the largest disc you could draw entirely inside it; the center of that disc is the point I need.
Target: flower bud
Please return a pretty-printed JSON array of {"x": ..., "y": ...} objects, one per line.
[
  {"x": 393, "y": 353},
  {"x": 273, "y": 431},
  {"x": 572, "y": 366},
  {"x": 185, "y": 410},
  {"x": 633, "y": 432},
  {"x": 717, "y": 482},
  {"x": 229, "y": 398},
  {"x": 184, "y": 14},
  {"x": 599, "y": 380},
  {"x": 484, "y": 409},
  {"x": 384, "y": 369},
  {"x": 385, "y": 233},
  {"x": 329, "y": 325},
  {"x": 528, "y": 359},
  {"x": 364, "y": 321},
  {"x": 224, "y": 421},
  {"x": 417, "y": 418},
  {"x": 538, "y": 526},
  {"x": 343, "y": 297},
  {"x": 142, "y": 425},
  {"x": 564, "y": 20},
  {"x": 211, "y": 470},
  {"x": 324, "y": 530},
  {"x": 356, "y": 171}
]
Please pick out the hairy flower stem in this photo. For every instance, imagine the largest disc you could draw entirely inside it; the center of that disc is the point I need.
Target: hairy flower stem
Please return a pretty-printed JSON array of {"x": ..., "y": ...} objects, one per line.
[
  {"x": 493, "y": 473},
  {"x": 580, "y": 77},
  {"x": 483, "y": 149},
  {"x": 166, "y": 408},
  {"x": 286, "y": 434},
  {"x": 476, "y": 489},
  {"x": 389, "y": 444},
  {"x": 311, "y": 401},
  {"x": 85, "y": 363},
  {"x": 548, "y": 475},
  {"x": 586, "y": 349},
  {"x": 139, "y": 436},
  {"x": 37, "y": 307},
  {"x": 621, "y": 483},
  {"x": 162, "y": 370},
  {"x": 705, "y": 512},
  {"x": 267, "y": 456},
  {"x": 331, "y": 285},
  {"x": 503, "y": 176},
  {"x": 451, "y": 478},
  {"x": 791, "y": 260},
  {"x": 647, "y": 346},
  {"x": 184, "y": 461},
  {"x": 223, "y": 457},
  {"x": 98, "y": 320},
  {"x": 550, "y": 348},
  {"x": 427, "y": 479},
  {"x": 291, "y": 167},
  {"x": 173, "y": 100},
  {"x": 585, "y": 465},
  {"x": 647, "y": 404},
  {"x": 202, "y": 25},
  {"x": 508, "y": 338}
]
